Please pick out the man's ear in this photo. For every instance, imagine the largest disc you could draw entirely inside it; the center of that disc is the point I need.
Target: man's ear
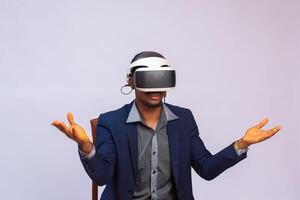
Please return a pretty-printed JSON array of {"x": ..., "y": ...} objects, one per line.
[{"x": 130, "y": 82}]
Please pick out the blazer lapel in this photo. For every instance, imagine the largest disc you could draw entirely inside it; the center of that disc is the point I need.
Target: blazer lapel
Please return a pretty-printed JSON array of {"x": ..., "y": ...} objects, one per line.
[
  {"x": 132, "y": 137},
  {"x": 173, "y": 136},
  {"x": 133, "y": 146}
]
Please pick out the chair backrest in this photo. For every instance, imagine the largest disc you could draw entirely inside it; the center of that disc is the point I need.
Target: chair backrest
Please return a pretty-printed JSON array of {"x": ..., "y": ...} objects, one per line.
[{"x": 94, "y": 185}]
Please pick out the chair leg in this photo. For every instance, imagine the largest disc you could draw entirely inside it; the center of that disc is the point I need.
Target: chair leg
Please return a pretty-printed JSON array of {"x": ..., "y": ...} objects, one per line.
[{"x": 94, "y": 191}]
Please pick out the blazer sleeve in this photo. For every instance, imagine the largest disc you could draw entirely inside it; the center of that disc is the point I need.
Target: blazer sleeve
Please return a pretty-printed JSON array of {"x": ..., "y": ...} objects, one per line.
[
  {"x": 100, "y": 167},
  {"x": 206, "y": 165}
]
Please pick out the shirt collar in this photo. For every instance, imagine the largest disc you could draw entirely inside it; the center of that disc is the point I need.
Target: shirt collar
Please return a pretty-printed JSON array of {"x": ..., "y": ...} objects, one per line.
[{"x": 134, "y": 115}]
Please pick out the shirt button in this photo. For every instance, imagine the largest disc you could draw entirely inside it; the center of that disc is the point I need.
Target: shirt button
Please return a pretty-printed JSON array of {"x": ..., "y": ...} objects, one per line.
[
  {"x": 153, "y": 152},
  {"x": 153, "y": 191},
  {"x": 153, "y": 172}
]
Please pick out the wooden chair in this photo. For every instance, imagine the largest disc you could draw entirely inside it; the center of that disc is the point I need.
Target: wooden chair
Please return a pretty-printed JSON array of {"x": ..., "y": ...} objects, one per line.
[{"x": 94, "y": 185}]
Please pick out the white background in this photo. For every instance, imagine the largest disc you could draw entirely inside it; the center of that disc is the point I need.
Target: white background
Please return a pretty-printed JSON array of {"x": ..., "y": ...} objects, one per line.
[{"x": 237, "y": 62}]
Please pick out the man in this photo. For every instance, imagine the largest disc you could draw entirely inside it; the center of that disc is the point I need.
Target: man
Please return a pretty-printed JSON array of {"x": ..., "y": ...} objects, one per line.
[{"x": 145, "y": 150}]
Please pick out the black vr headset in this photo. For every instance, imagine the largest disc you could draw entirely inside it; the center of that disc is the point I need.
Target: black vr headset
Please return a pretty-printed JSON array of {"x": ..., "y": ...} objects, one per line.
[{"x": 152, "y": 74}]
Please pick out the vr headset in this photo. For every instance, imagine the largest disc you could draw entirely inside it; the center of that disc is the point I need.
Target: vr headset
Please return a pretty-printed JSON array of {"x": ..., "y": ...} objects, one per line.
[{"x": 152, "y": 74}]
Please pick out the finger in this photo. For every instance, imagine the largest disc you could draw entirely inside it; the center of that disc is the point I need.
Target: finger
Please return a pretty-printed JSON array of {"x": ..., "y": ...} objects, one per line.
[
  {"x": 262, "y": 123},
  {"x": 65, "y": 129},
  {"x": 268, "y": 133},
  {"x": 273, "y": 131},
  {"x": 62, "y": 126},
  {"x": 56, "y": 124},
  {"x": 70, "y": 118}
]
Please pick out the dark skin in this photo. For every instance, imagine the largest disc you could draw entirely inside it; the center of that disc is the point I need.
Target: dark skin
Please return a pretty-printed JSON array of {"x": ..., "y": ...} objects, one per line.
[{"x": 149, "y": 105}]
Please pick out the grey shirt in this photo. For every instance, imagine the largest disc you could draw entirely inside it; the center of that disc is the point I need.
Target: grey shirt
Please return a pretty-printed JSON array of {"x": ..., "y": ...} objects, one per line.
[{"x": 154, "y": 177}]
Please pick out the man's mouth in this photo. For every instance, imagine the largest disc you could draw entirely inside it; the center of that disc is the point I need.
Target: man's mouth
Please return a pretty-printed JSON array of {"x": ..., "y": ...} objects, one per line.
[{"x": 154, "y": 95}]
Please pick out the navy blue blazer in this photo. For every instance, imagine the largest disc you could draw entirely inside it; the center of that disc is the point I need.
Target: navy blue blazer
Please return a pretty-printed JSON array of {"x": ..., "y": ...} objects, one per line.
[{"x": 116, "y": 160}]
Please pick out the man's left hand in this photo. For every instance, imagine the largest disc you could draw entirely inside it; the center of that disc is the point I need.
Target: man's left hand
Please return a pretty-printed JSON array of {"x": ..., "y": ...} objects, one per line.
[{"x": 255, "y": 134}]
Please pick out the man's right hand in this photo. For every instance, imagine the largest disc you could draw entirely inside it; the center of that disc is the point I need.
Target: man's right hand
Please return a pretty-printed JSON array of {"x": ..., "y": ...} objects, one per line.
[{"x": 75, "y": 132}]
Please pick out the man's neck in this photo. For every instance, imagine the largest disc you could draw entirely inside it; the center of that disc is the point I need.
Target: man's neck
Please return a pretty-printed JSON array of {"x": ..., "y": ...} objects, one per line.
[{"x": 150, "y": 115}]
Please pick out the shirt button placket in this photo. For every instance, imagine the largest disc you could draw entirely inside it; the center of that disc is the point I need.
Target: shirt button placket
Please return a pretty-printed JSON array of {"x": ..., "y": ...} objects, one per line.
[{"x": 154, "y": 166}]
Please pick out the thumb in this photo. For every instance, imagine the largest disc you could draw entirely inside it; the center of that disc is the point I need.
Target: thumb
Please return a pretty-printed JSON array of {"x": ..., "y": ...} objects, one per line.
[
  {"x": 262, "y": 123},
  {"x": 70, "y": 118}
]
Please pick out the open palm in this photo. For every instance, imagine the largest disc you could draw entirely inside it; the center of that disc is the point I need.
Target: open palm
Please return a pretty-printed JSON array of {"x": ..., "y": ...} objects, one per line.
[
  {"x": 255, "y": 134},
  {"x": 74, "y": 131}
]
